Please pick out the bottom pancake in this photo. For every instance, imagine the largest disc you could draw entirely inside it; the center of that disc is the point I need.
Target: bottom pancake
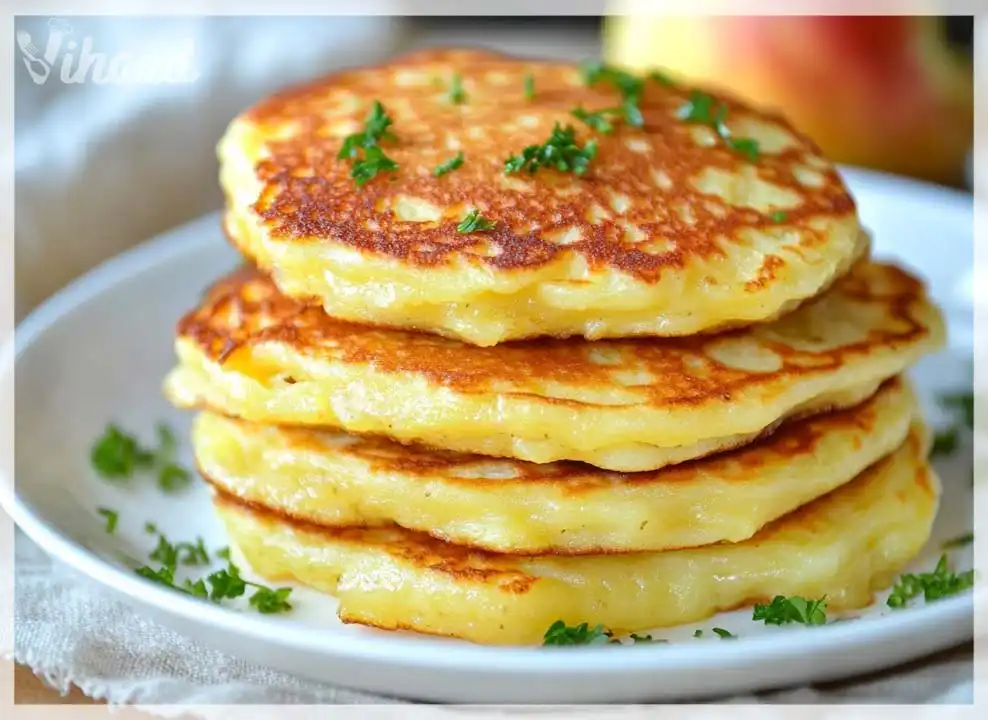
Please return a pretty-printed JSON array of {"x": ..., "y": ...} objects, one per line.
[{"x": 844, "y": 545}]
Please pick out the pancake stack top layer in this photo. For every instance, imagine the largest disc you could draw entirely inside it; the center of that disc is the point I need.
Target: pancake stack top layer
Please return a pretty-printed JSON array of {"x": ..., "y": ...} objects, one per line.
[
  {"x": 677, "y": 211},
  {"x": 754, "y": 421}
]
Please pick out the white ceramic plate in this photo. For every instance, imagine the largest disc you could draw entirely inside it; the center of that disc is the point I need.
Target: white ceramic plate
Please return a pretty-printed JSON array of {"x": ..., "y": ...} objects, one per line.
[{"x": 98, "y": 350}]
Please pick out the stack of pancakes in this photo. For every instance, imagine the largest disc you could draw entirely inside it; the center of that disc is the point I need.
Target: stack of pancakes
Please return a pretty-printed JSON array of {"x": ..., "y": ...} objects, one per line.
[{"x": 662, "y": 388}]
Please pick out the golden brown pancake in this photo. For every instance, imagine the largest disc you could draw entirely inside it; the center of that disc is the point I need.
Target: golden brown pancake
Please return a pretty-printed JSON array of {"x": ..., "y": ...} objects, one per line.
[
  {"x": 843, "y": 546},
  {"x": 511, "y": 506},
  {"x": 631, "y": 405},
  {"x": 670, "y": 231}
]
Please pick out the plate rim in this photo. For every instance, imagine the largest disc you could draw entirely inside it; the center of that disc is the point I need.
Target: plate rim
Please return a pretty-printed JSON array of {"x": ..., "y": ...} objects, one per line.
[{"x": 425, "y": 652}]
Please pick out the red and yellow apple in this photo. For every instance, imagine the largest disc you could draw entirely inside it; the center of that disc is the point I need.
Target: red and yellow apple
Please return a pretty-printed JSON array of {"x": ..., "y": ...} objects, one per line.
[{"x": 883, "y": 92}]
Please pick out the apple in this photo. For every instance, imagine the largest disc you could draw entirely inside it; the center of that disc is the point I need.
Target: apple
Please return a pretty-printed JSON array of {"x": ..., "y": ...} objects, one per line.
[{"x": 883, "y": 92}]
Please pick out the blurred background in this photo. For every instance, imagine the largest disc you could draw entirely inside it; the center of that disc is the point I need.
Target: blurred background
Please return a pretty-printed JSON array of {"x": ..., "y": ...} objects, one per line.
[{"x": 101, "y": 166}]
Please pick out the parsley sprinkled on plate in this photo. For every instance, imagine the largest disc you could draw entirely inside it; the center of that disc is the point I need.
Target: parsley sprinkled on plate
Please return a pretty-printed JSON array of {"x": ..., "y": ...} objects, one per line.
[
  {"x": 474, "y": 222},
  {"x": 559, "y": 633},
  {"x": 224, "y": 584},
  {"x": 703, "y": 109},
  {"x": 778, "y": 216},
  {"x": 724, "y": 634},
  {"x": 785, "y": 610},
  {"x": 942, "y": 582},
  {"x": 697, "y": 633},
  {"x": 959, "y": 541},
  {"x": 111, "y": 518},
  {"x": 117, "y": 455},
  {"x": 452, "y": 164},
  {"x": 560, "y": 152},
  {"x": 364, "y": 149},
  {"x": 945, "y": 442}
]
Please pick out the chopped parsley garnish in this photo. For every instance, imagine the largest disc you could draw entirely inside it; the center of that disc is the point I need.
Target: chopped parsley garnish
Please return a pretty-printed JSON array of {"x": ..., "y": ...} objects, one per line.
[
  {"x": 117, "y": 455},
  {"x": 529, "y": 86},
  {"x": 942, "y": 582},
  {"x": 559, "y": 633},
  {"x": 596, "y": 120},
  {"x": 560, "y": 152},
  {"x": 150, "y": 528},
  {"x": 778, "y": 216},
  {"x": 785, "y": 610},
  {"x": 225, "y": 584},
  {"x": 474, "y": 222},
  {"x": 945, "y": 442},
  {"x": 367, "y": 142},
  {"x": 724, "y": 634},
  {"x": 636, "y": 638},
  {"x": 703, "y": 109},
  {"x": 223, "y": 552},
  {"x": 629, "y": 86},
  {"x": 962, "y": 404},
  {"x": 457, "y": 95},
  {"x": 449, "y": 166},
  {"x": 111, "y": 518},
  {"x": 661, "y": 78},
  {"x": 374, "y": 161},
  {"x": 698, "y": 633},
  {"x": 959, "y": 541}
]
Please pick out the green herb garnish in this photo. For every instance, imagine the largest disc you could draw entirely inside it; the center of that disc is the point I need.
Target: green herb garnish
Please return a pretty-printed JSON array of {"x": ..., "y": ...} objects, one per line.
[
  {"x": 225, "y": 584},
  {"x": 697, "y": 633},
  {"x": 366, "y": 143},
  {"x": 959, "y": 541},
  {"x": 560, "y": 152},
  {"x": 375, "y": 130},
  {"x": 962, "y": 404},
  {"x": 457, "y": 95},
  {"x": 559, "y": 633},
  {"x": 940, "y": 583},
  {"x": 116, "y": 455},
  {"x": 374, "y": 161},
  {"x": 945, "y": 442},
  {"x": 529, "y": 86},
  {"x": 452, "y": 164},
  {"x": 778, "y": 216},
  {"x": 629, "y": 86},
  {"x": 474, "y": 222},
  {"x": 150, "y": 528},
  {"x": 223, "y": 552},
  {"x": 724, "y": 634},
  {"x": 703, "y": 109},
  {"x": 270, "y": 600},
  {"x": 661, "y": 78},
  {"x": 111, "y": 518},
  {"x": 596, "y": 120},
  {"x": 785, "y": 610}
]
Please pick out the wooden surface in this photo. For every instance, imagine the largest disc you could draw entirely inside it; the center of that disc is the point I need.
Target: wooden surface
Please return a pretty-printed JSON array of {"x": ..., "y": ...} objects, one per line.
[{"x": 29, "y": 689}]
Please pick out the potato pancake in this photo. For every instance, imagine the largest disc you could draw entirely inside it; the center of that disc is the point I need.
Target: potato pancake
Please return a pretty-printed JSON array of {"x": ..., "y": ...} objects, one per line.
[
  {"x": 511, "y": 506},
  {"x": 845, "y": 545},
  {"x": 606, "y": 205},
  {"x": 625, "y": 405}
]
